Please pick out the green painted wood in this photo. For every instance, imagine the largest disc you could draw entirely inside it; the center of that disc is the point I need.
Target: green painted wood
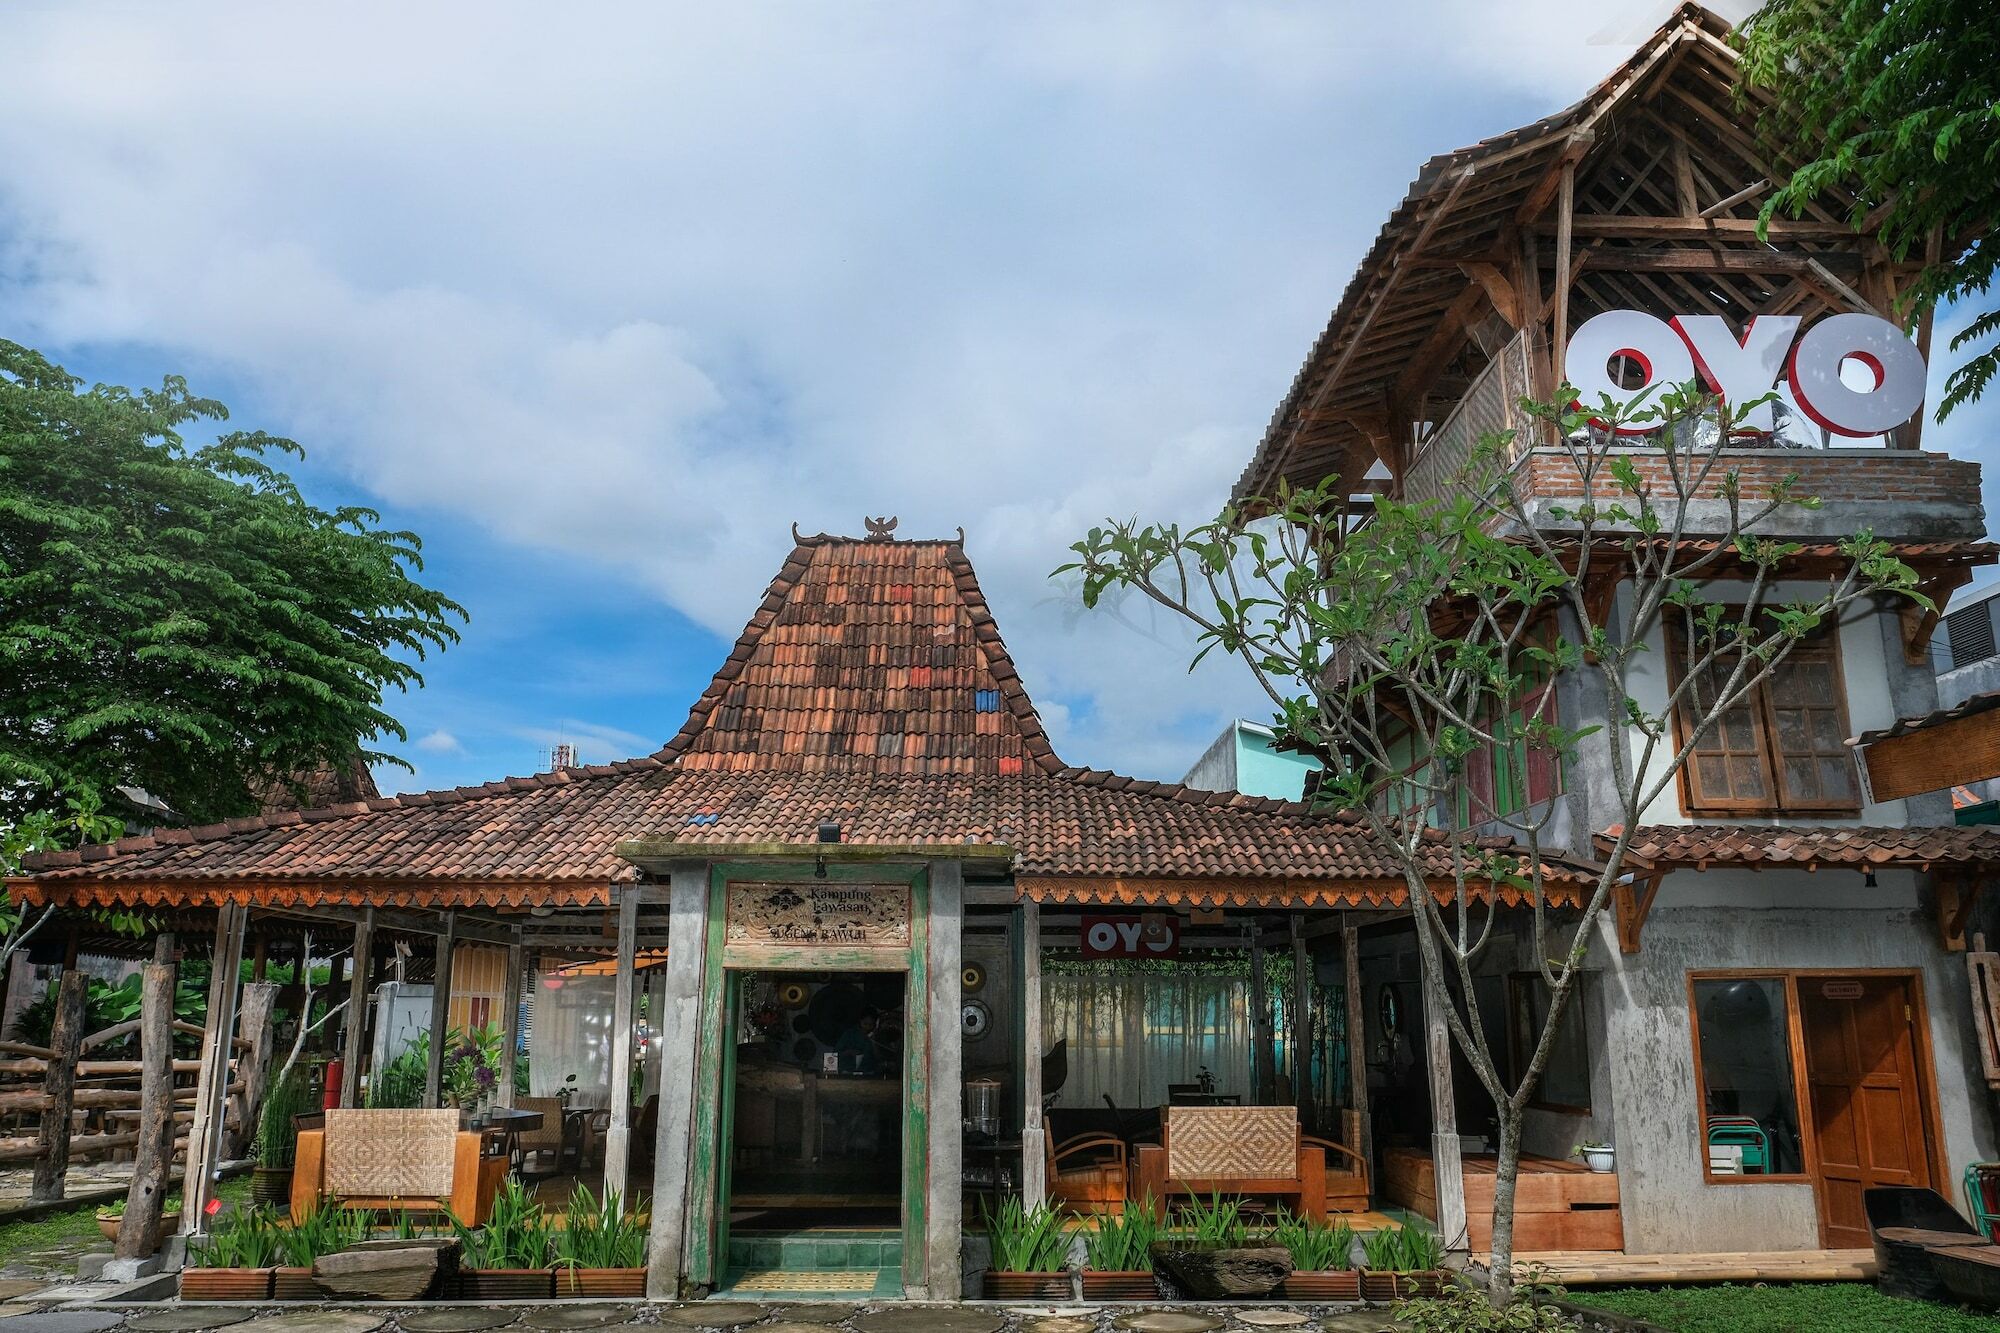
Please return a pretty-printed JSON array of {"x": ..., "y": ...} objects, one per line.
[
  {"x": 703, "y": 1178},
  {"x": 807, "y": 958}
]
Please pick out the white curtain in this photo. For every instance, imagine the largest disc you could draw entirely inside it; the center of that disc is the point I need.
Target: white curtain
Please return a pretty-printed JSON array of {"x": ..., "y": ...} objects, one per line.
[
  {"x": 1132, "y": 1035},
  {"x": 571, "y": 1034}
]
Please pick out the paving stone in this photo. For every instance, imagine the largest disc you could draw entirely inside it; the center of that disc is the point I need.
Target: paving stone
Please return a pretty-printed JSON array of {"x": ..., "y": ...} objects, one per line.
[
  {"x": 1358, "y": 1321},
  {"x": 1271, "y": 1318},
  {"x": 453, "y": 1319},
  {"x": 792, "y": 1326},
  {"x": 188, "y": 1319},
  {"x": 714, "y": 1314},
  {"x": 1060, "y": 1323},
  {"x": 821, "y": 1314},
  {"x": 1166, "y": 1321},
  {"x": 314, "y": 1321},
  {"x": 19, "y": 1286},
  {"x": 557, "y": 1318},
  {"x": 63, "y": 1321},
  {"x": 931, "y": 1319}
]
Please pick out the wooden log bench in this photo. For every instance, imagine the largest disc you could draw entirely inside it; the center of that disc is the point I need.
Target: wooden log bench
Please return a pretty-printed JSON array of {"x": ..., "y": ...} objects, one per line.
[{"x": 1558, "y": 1205}]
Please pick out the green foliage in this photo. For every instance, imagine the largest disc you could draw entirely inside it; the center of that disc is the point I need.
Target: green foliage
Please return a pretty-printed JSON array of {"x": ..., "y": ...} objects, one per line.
[
  {"x": 1462, "y": 1308},
  {"x": 277, "y": 1136},
  {"x": 1823, "y": 1307},
  {"x": 177, "y": 617},
  {"x": 518, "y": 1232},
  {"x": 1123, "y": 1244},
  {"x": 1027, "y": 1240},
  {"x": 401, "y": 1082},
  {"x": 104, "y": 1005},
  {"x": 471, "y": 1063},
  {"x": 1215, "y": 1221},
  {"x": 1315, "y": 1247},
  {"x": 247, "y": 1238},
  {"x": 116, "y": 1208},
  {"x": 327, "y": 1229},
  {"x": 1886, "y": 113},
  {"x": 1402, "y": 1250},
  {"x": 600, "y": 1233}
]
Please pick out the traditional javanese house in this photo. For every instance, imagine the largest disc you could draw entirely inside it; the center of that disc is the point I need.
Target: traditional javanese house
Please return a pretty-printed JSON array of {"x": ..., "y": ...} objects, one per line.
[
  {"x": 1776, "y": 1018},
  {"x": 809, "y": 935}
]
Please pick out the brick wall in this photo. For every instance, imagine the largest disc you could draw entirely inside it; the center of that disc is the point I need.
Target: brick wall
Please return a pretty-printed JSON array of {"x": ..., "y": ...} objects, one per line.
[{"x": 1831, "y": 475}]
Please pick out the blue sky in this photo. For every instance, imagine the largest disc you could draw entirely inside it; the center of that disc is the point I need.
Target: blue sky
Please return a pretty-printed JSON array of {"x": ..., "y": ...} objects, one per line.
[{"x": 601, "y": 300}]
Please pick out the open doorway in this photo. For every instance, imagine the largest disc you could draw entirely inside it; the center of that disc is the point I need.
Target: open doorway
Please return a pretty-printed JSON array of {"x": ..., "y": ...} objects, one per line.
[{"x": 815, "y": 1174}]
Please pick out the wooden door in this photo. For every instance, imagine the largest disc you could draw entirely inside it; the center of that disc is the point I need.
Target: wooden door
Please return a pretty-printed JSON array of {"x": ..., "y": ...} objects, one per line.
[{"x": 1867, "y": 1101}]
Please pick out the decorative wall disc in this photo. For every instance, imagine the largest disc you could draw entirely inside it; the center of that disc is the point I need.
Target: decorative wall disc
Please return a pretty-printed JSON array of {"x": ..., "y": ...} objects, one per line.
[
  {"x": 973, "y": 978},
  {"x": 792, "y": 995},
  {"x": 975, "y": 1018}
]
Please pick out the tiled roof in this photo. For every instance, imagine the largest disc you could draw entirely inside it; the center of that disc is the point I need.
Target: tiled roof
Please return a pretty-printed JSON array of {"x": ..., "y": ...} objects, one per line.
[
  {"x": 1809, "y": 846},
  {"x": 1903, "y": 726}
]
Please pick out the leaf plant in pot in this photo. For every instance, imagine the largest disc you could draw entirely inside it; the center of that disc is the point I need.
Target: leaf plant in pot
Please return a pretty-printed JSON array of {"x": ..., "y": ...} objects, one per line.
[
  {"x": 112, "y": 1216},
  {"x": 235, "y": 1262},
  {"x": 1322, "y": 1259},
  {"x": 1117, "y": 1256},
  {"x": 1401, "y": 1262},
  {"x": 278, "y": 1138},
  {"x": 1030, "y": 1253},
  {"x": 327, "y": 1229},
  {"x": 601, "y": 1249},
  {"x": 512, "y": 1257},
  {"x": 1597, "y": 1156}
]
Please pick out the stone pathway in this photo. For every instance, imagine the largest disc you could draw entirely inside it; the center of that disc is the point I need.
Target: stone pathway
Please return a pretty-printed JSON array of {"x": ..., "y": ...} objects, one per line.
[{"x": 710, "y": 1317}]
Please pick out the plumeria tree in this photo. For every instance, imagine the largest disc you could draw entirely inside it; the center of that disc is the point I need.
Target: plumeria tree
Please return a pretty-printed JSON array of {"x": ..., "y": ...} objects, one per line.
[{"x": 1410, "y": 646}]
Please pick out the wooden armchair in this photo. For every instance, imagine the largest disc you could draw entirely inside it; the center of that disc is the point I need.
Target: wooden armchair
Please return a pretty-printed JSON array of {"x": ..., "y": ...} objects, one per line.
[
  {"x": 395, "y": 1160},
  {"x": 1347, "y": 1184},
  {"x": 551, "y": 1139},
  {"x": 1096, "y": 1183},
  {"x": 1248, "y": 1150}
]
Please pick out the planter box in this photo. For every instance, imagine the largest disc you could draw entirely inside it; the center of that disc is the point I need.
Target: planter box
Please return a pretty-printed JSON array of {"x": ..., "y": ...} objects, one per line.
[
  {"x": 1128, "y": 1286},
  {"x": 225, "y": 1284},
  {"x": 1386, "y": 1287},
  {"x": 504, "y": 1284},
  {"x": 271, "y": 1185},
  {"x": 618, "y": 1283},
  {"x": 295, "y": 1284},
  {"x": 1333, "y": 1284},
  {"x": 1027, "y": 1286}
]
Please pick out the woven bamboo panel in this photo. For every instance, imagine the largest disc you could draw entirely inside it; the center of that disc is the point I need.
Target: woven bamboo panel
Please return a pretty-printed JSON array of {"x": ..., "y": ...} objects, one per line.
[
  {"x": 1254, "y": 1142},
  {"x": 390, "y": 1154}
]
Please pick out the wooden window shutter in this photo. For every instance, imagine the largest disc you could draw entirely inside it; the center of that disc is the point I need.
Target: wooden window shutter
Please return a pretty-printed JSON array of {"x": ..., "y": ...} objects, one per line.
[
  {"x": 1807, "y": 724},
  {"x": 1727, "y": 769}
]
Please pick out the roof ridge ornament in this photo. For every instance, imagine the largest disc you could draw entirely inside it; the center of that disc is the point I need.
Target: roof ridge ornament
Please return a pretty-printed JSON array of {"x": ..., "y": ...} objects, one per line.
[{"x": 881, "y": 529}]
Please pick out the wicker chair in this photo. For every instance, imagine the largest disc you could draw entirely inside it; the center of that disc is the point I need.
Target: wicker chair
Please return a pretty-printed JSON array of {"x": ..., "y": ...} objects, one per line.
[
  {"x": 394, "y": 1161},
  {"x": 549, "y": 1140},
  {"x": 1096, "y": 1183}
]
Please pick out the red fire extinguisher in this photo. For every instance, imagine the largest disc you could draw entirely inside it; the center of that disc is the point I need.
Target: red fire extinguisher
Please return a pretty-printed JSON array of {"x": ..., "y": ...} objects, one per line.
[{"x": 330, "y": 1097}]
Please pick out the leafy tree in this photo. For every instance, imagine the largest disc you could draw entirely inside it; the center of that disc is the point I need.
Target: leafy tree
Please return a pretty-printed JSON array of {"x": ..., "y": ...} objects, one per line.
[
  {"x": 80, "y": 820},
  {"x": 177, "y": 618},
  {"x": 1404, "y": 649},
  {"x": 1892, "y": 106}
]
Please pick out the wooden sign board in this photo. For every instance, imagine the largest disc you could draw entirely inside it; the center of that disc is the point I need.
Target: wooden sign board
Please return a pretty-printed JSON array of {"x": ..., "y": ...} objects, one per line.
[
  {"x": 1961, "y": 751},
  {"x": 870, "y": 916}
]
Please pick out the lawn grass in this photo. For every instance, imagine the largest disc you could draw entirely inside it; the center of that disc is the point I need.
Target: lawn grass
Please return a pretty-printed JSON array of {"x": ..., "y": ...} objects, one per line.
[
  {"x": 1804, "y": 1307},
  {"x": 65, "y": 1229}
]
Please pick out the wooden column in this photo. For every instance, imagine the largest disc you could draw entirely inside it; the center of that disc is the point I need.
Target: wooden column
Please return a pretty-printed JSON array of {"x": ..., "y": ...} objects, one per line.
[
  {"x": 440, "y": 1013},
  {"x": 510, "y": 1020},
  {"x": 204, "y": 1148},
  {"x": 138, "y": 1235},
  {"x": 260, "y": 1002},
  {"x": 679, "y": 1024},
  {"x": 1357, "y": 1044},
  {"x": 618, "y": 1136},
  {"x": 1261, "y": 1064},
  {"x": 59, "y": 1088},
  {"x": 1034, "y": 1163},
  {"x": 1448, "y": 1168},
  {"x": 944, "y": 1175},
  {"x": 1565, "y": 210},
  {"x": 357, "y": 1008},
  {"x": 1301, "y": 1024}
]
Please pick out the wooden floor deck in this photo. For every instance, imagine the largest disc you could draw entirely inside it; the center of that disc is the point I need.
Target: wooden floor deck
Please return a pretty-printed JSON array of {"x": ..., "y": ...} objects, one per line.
[{"x": 1575, "y": 1268}]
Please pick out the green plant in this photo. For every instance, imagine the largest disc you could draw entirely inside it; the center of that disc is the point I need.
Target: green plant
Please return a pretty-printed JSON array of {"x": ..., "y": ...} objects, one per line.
[
  {"x": 247, "y": 1238},
  {"x": 517, "y": 1234},
  {"x": 1315, "y": 1247},
  {"x": 1216, "y": 1223},
  {"x": 1823, "y": 1307},
  {"x": 1027, "y": 1240},
  {"x": 400, "y": 1083},
  {"x": 600, "y": 1234},
  {"x": 1402, "y": 1250},
  {"x": 1123, "y": 1244},
  {"x": 327, "y": 1229},
  {"x": 1464, "y": 1309},
  {"x": 116, "y": 1208},
  {"x": 277, "y": 1136}
]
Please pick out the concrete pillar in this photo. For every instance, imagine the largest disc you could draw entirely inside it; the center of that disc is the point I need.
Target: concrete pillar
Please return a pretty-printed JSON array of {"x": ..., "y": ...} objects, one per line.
[
  {"x": 1034, "y": 1160},
  {"x": 618, "y": 1137},
  {"x": 357, "y": 1007},
  {"x": 440, "y": 1012},
  {"x": 944, "y": 1177},
  {"x": 1447, "y": 1166},
  {"x": 510, "y": 1021},
  {"x": 679, "y": 1023},
  {"x": 1357, "y": 1044},
  {"x": 212, "y": 1086}
]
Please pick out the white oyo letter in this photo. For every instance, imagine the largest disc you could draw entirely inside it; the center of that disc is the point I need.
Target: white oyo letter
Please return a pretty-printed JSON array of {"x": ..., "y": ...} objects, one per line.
[
  {"x": 1103, "y": 937},
  {"x": 1895, "y": 362},
  {"x": 1740, "y": 372},
  {"x": 1651, "y": 342}
]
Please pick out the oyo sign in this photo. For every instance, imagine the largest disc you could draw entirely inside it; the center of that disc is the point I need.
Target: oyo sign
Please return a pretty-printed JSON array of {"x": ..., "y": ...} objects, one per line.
[
  {"x": 1741, "y": 370},
  {"x": 1155, "y": 935}
]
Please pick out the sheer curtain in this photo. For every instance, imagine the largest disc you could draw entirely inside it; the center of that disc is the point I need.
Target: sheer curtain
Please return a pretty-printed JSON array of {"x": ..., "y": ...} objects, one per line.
[
  {"x": 571, "y": 1034},
  {"x": 1131, "y": 1036}
]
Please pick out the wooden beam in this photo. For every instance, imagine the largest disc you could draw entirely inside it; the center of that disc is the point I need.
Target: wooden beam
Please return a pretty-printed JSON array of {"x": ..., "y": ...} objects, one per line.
[
  {"x": 357, "y": 1008},
  {"x": 618, "y": 1136},
  {"x": 1709, "y": 261},
  {"x": 1628, "y": 227},
  {"x": 1747, "y": 193},
  {"x": 1565, "y": 223},
  {"x": 1506, "y": 300},
  {"x": 59, "y": 1088},
  {"x": 1447, "y": 1163},
  {"x": 1445, "y": 339},
  {"x": 1357, "y": 1040},
  {"x": 212, "y": 1090},
  {"x": 255, "y": 1019},
  {"x": 138, "y": 1234},
  {"x": 440, "y": 1013},
  {"x": 1956, "y": 897},
  {"x": 1573, "y": 152},
  {"x": 1261, "y": 1075},
  {"x": 1301, "y": 1021},
  {"x": 1919, "y": 624},
  {"x": 1632, "y": 902},
  {"x": 680, "y": 1026},
  {"x": 510, "y": 1021}
]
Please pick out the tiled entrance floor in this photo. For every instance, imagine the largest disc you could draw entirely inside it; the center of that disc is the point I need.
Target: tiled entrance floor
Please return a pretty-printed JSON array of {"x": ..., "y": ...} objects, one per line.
[{"x": 816, "y": 1263}]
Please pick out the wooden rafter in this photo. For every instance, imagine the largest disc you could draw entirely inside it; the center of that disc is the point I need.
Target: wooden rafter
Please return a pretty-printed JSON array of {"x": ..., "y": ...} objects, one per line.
[
  {"x": 1632, "y": 902},
  {"x": 1956, "y": 897},
  {"x": 1919, "y": 624}
]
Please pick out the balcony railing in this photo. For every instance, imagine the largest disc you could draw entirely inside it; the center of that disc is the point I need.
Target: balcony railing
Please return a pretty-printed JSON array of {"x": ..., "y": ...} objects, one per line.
[{"x": 1490, "y": 404}]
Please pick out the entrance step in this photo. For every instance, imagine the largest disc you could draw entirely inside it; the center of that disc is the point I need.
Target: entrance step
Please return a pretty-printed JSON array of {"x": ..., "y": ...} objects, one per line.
[
  {"x": 845, "y": 1284},
  {"x": 817, "y": 1250}
]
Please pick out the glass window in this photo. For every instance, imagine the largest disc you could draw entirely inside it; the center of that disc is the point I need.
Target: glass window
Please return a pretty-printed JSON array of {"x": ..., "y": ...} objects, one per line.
[
  {"x": 1565, "y": 1084},
  {"x": 1743, "y": 1064}
]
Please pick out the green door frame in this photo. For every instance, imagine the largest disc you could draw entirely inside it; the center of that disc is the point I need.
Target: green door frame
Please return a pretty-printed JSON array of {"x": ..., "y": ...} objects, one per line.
[{"x": 715, "y": 1054}]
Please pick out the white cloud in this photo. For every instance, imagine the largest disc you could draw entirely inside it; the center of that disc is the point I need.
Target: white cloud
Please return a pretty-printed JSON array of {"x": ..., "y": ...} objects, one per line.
[
  {"x": 439, "y": 742},
  {"x": 645, "y": 283}
]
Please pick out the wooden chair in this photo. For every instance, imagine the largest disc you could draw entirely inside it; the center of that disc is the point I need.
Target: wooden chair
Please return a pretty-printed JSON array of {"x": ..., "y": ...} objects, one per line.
[
  {"x": 1096, "y": 1184},
  {"x": 549, "y": 1139},
  {"x": 1247, "y": 1150},
  {"x": 1347, "y": 1183},
  {"x": 394, "y": 1161}
]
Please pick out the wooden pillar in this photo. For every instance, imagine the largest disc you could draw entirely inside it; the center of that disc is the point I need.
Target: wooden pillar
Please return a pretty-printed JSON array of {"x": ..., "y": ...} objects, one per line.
[
  {"x": 1357, "y": 1045},
  {"x": 510, "y": 1020},
  {"x": 138, "y": 1235},
  {"x": 944, "y": 1174},
  {"x": 1034, "y": 1163},
  {"x": 618, "y": 1136},
  {"x": 679, "y": 1023},
  {"x": 260, "y": 1002},
  {"x": 260, "y": 951},
  {"x": 440, "y": 1012},
  {"x": 1301, "y": 1024},
  {"x": 357, "y": 1008},
  {"x": 333, "y": 1036},
  {"x": 1448, "y": 1168},
  {"x": 1565, "y": 209},
  {"x": 204, "y": 1148},
  {"x": 1260, "y": 1025},
  {"x": 59, "y": 1088}
]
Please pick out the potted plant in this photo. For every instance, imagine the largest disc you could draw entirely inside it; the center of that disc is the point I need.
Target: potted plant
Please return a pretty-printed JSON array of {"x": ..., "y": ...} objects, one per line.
[
  {"x": 512, "y": 1256},
  {"x": 1216, "y": 1256},
  {"x": 601, "y": 1249},
  {"x": 278, "y": 1139},
  {"x": 1117, "y": 1256},
  {"x": 1030, "y": 1253},
  {"x": 112, "y": 1215},
  {"x": 1400, "y": 1262},
  {"x": 1597, "y": 1156},
  {"x": 1322, "y": 1259},
  {"x": 327, "y": 1229},
  {"x": 234, "y": 1263}
]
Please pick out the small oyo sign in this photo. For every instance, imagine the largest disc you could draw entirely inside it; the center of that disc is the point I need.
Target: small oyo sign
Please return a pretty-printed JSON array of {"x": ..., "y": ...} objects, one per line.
[
  {"x": 1154, "y": 935},
  {"x": 1743, "y": 369}
]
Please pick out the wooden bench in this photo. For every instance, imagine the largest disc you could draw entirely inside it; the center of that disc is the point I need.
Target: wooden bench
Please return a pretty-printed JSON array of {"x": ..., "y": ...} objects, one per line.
[
  {"x": 1253, "y": 1151},
  {"x": 394, "y": 1161},
  {"x": 1558, "y": 1205}
]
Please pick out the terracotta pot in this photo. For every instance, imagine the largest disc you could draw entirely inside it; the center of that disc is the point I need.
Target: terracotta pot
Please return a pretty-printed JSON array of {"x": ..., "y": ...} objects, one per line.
[
  {"x": 108, "y": 1226},
  {"x": 1333, "y": 1284},
  {"x": 618, "y": 1283},
  {"x": 505, "y": 1284},
  {"x": 225, "y": 1284},
  {"x": 1027, "y": 1286},
  {"x": 295, "y": 1284},
  {"x": 1385, "y": 1287},
  {"x": 1129, "y": 1286},
  {"x": 271, "y": 1185}
]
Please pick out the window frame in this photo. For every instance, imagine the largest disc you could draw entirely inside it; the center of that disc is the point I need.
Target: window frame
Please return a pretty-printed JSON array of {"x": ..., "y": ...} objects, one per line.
[
  {"x": 1795, "y": 1047},
  {"x": 1518, "y": 984},
  {"x": 1765, "y": 726}
]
